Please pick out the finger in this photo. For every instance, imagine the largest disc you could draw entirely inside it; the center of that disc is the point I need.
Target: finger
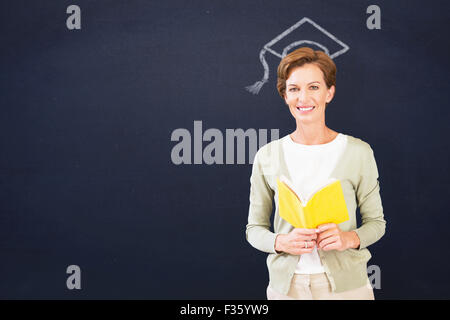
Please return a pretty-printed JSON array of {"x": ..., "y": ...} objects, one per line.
[
  {"x": 326, "y": 234},
  {"x": 300, "y": 248},
  {"x": 307, "y": 244},
  {"x": 304, "y": 231},
  {"x": 327, "y": 241},
  {"x": 311, "y": 244},
  {"x": 305, "y": 237},
  {"x": 325, "y": 226},
  {"x": 331, "y": 246},
  {"x": 301, "y": 244}
]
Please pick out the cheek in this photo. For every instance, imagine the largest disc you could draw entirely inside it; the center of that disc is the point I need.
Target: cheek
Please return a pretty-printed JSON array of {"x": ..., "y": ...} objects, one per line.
[
  {"x": 323, "y": 97},
  {"x": 292, "y": 100}
]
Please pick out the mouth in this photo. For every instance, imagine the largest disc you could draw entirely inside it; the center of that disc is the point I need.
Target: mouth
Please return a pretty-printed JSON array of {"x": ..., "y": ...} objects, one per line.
[{"x": 305, "y": 109}]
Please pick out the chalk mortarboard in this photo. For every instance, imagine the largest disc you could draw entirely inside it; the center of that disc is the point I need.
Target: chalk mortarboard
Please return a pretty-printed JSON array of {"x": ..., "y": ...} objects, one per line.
[{"x": 293, "y": 37}]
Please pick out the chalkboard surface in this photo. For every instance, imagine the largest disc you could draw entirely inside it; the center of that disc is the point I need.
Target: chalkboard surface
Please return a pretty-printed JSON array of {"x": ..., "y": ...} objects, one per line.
[{"x": 108, "y": 113}]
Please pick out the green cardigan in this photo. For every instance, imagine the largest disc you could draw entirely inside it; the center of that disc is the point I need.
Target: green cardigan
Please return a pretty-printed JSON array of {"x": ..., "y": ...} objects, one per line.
[{"x": 358, "y": 173}]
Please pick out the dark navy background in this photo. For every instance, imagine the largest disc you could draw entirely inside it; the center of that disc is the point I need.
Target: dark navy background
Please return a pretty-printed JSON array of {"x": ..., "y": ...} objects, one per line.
[{"x": 86, "y": 117}]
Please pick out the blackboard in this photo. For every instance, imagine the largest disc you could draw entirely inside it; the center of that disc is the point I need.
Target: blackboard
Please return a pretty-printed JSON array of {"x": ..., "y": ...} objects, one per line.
[{"x": 92, "y": 109}]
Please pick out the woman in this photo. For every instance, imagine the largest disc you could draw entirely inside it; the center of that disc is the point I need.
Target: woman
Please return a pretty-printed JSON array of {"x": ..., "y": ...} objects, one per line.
[{"x": 329, "y": 262}]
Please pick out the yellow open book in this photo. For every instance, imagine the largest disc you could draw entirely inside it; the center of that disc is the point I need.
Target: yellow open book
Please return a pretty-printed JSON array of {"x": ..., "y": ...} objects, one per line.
[{"x": 325, "y": 206}]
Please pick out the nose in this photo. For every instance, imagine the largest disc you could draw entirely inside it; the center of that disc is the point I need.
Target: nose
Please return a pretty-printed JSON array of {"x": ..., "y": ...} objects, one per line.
[{"x": 302, "y": 97}]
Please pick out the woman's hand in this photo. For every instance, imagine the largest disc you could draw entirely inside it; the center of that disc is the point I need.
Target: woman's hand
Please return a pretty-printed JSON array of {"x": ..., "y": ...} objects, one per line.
[
  {"x": 296, "y": 242},
  {"x": 330, "y": 237}
]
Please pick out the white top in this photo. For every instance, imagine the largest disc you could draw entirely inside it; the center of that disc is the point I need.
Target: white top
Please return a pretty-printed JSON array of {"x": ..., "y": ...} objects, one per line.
[{"x": 310, "y": 168}]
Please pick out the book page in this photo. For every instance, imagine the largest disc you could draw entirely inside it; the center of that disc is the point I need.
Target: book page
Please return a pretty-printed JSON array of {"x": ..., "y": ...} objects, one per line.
[{"x": 304, "y": 200}]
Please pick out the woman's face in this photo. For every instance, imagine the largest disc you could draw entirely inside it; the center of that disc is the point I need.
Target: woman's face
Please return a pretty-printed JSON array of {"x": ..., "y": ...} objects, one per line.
[{"x": 307, "y": 93}]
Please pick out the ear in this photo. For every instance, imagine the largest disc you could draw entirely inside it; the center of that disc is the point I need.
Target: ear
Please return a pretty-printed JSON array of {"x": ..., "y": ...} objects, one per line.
[{"x": 330, "y": 94}]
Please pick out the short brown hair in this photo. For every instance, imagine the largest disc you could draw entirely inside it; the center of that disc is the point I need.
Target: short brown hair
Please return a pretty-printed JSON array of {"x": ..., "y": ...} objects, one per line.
[{"x": 298, "y": 58}]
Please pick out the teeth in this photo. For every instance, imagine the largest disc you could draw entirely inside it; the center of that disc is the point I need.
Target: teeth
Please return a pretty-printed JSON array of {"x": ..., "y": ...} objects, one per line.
[{"x": 305, "y": 109}]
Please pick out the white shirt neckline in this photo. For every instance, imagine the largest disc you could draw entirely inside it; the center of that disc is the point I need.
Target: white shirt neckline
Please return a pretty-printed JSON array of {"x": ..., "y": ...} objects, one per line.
[{"x": 314, "y": 146}]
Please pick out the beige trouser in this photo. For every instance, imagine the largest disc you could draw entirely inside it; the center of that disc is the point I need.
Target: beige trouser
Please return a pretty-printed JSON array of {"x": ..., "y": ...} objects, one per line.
[{"x": 317, "y": 287}]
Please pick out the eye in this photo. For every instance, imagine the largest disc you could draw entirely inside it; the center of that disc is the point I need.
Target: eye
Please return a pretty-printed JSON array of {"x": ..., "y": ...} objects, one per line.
[
  {"x": 315, "y": 87},
  {"x": 292, "y": 89}
]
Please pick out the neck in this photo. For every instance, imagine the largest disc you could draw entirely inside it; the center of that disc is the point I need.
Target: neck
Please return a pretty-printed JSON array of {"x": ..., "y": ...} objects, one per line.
[{"x": 311, "y": 134}]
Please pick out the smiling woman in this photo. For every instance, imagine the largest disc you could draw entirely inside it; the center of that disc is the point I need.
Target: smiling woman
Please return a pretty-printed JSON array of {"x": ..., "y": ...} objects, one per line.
[
  {"x": 329, "y": 261},
  {"x": 307, "y": 82},
  {"x": 307, "y": 100}
]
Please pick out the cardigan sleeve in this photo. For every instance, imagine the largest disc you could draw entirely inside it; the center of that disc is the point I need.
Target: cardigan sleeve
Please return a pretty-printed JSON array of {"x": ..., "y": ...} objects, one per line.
[
  {"x": 368, "y": 198},
  {"x": 258, "y": 232}
]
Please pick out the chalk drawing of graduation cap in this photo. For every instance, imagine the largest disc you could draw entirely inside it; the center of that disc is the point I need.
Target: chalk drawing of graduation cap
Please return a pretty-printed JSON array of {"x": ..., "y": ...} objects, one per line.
[{"x": 294, "y": 39}]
